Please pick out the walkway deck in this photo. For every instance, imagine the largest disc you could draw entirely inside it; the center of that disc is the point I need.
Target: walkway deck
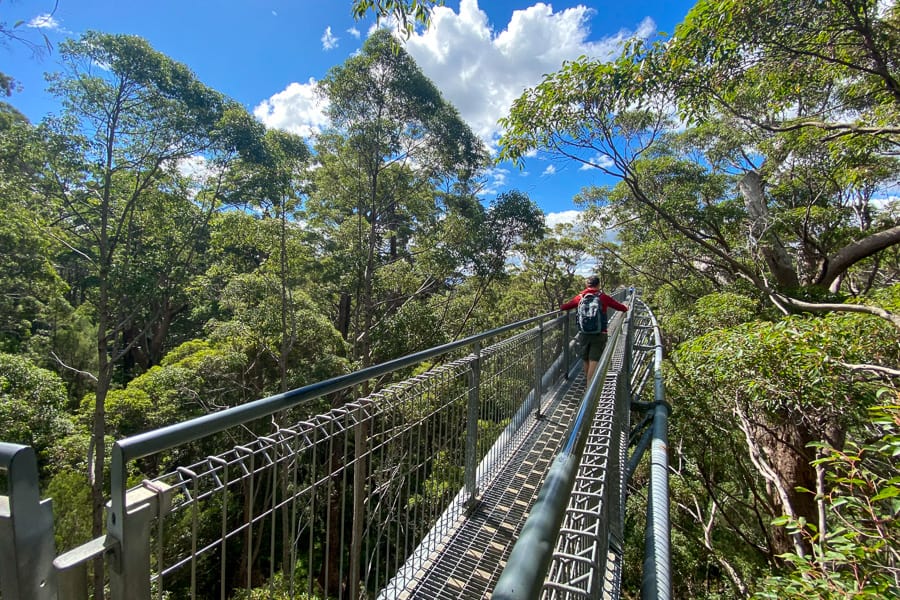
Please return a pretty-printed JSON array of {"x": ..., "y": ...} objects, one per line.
[{"x": 469, "y": 562}]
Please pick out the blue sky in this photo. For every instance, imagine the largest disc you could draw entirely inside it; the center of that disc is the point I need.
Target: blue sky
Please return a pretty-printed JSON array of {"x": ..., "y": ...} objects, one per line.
[{"x": 268, "y": 55}]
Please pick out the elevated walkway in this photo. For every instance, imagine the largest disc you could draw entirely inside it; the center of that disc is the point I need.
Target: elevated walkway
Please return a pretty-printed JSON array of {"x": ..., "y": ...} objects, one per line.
[
  {"x": 469, "y": 562},
  {"x": 495, "y": 472}
]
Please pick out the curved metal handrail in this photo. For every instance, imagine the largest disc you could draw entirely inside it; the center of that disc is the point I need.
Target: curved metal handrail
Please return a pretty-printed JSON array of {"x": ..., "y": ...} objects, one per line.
[{"x": 532, "y": 554}]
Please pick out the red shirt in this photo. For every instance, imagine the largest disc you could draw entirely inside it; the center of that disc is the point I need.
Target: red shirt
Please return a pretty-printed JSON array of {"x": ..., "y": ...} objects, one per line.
[{"x": 605, "y": 301}]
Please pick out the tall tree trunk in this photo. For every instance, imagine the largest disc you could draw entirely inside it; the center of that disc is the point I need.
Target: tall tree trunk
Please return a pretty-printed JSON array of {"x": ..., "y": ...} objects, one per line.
[
  {"x": 785, "y": 445},
  {"x": 98, "y": 431},
  {"x": 770, "y": 246},
  {"x": 343, "y": 320}
]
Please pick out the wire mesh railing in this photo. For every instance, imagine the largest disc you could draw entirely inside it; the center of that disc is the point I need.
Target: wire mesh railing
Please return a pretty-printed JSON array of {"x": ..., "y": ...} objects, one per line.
[
  {"x": 281, "y": 499},
  {"x": 345, "y": 488}
]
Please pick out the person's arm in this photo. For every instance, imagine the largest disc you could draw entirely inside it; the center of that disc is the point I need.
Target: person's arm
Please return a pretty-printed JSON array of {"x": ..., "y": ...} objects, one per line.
[
  {"x": 610, "y": 301},
  {"x": 571, "y": 303}
]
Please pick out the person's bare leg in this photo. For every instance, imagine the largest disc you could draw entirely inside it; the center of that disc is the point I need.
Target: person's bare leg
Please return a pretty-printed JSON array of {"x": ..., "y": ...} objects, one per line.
[{"x": 589, "y": 371}]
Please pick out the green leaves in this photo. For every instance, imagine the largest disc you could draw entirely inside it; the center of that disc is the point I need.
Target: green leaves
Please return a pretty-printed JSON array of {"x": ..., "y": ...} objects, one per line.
[
  {"x": 408, "y": 13},
  {"x": 32, "y": 405},
  {"x": 855, "y": 556}
]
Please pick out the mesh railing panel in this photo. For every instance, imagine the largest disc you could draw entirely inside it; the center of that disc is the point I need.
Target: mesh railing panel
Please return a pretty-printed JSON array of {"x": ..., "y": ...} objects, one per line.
[{"x": 334, "y": 504}]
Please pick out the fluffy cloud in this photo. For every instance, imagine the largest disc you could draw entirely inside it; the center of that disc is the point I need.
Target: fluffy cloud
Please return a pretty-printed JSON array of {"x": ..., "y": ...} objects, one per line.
[
  {"x": 298, "y": 109},
  {"x": 496, "y": 180},
  {"x": 482, "y": 71},
  {"x": 329, "y": 40},
  {"x": 601, "y": 160},
  {"x": 566, "y": 216},
  {"x": 44, "y": 21},
  {"x": 550, "y": 170}
]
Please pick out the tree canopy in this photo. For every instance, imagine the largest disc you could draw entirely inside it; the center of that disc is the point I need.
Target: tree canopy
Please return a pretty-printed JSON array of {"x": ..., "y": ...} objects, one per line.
[{"x": 163, "y": 255}]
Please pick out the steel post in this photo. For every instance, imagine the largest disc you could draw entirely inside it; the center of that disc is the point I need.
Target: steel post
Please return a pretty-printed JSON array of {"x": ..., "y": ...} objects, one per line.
[
  {"x": 538, "y": 368},
  {"x": 26, "y": 529},
  {"x": 657, "y": 581},
  {"x": 360, "y": 459},
  {"x": 472, "y": 424}
]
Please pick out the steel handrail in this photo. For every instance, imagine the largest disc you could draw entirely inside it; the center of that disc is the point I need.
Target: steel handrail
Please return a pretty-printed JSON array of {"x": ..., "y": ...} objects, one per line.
[
  {"x": 164, "y": 438},
  {"x": 125, "y": 523},
  {"x": 657, "y": 578},
  {"x": 532, "y": 553}
]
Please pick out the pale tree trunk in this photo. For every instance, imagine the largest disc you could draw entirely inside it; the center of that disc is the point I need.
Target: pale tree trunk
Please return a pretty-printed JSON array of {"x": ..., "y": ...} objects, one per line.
[{"x": 761, "y": 235}]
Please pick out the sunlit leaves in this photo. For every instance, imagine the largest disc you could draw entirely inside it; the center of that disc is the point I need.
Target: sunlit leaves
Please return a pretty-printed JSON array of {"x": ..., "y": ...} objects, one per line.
[
  {"x": 407, "y": 13},
  {"x": 855, "y": 557}
]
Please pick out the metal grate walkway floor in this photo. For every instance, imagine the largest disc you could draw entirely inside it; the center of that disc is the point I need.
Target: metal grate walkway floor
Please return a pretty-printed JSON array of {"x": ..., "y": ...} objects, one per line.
[{"x": 468, "y": 564}]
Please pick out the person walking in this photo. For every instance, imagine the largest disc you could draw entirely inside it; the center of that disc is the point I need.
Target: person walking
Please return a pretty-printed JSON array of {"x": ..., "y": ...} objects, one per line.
[{"x": 592, "y": 322}]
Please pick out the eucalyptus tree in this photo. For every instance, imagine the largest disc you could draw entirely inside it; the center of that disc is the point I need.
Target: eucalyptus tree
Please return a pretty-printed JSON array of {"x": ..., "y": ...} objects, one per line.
[
  {"x": 394, "y": 141},
  {"x": 551, "y": 265},
  {"x": 130, "y": 114},
  {"x": 277, "y": 183},
  {"x": 821, "y": 99},
  {"x": 787, "y": 385},
  {"x": 805, "y": 185},
  {"x": 511, "y": 221},
  {"x": 32, "y": 290},
  {"x": 747, "y": 149},
  {"x": 32, "y": 406}
]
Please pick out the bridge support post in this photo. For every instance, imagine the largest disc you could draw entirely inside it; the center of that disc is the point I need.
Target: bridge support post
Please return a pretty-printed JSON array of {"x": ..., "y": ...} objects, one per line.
[
  {"x": 26, "y": 529},
  {"x": 472, "y": 425},
  {"x": 360, "y": 474},
  {"x": 538, "y": 369},
  {"x": 657, "y": 582},
  {"x": 129, "y": 521}
]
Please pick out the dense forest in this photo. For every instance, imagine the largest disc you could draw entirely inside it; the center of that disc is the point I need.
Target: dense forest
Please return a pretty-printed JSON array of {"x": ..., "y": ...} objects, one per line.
[{"x": 163, "y": 255}]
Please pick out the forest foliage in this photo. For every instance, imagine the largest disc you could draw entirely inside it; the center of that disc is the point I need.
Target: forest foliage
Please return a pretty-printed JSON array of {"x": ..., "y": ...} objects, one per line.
[{"x": 163, "y": 256}]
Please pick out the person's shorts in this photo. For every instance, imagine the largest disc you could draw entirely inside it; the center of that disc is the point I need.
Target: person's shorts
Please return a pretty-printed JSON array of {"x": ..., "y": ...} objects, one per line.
[{"x": 592, "y": 345}]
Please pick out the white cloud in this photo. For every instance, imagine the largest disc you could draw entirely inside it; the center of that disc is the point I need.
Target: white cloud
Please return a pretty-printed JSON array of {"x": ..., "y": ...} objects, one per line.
[
  {"x": 482, "y": 71},
  {"x": 298, "y": 109},
  {"x": 198, "y": 170},
  {"x": 550, "y": 170},
  {"x": 329, "y": 40},
  {"x": 496, "y": 181},
  {"x": 195, "y": 167},
  {"x": 354, "y": 32},
  {"x": 44, "y": 21},
  {"x": 566, "y": 216},
  {"x": 601, "y": 160},
  {"x": 881, "y": 203}
]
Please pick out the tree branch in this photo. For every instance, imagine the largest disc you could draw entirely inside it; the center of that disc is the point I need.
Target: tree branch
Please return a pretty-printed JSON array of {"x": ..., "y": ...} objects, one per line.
[
  {"x": 800, "y": 305},
  {"x": 863, "y": 367},
  {"x": 852, "y": 253},
  {"x": 90, "y": 376},
  {"x": 768, "y": 473}
]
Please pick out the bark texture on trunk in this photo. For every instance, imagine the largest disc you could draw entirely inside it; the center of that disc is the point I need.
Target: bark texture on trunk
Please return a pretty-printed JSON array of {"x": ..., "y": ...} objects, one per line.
[{"x": 770, "y": 246}]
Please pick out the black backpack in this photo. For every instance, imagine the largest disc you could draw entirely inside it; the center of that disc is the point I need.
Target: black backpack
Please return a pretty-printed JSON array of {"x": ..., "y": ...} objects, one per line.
[{"x": 591, "y": 317}]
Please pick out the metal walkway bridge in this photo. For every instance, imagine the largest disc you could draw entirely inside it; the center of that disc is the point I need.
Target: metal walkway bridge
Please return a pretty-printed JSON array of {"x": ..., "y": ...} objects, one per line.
[{"x": 485, "y": 468}]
